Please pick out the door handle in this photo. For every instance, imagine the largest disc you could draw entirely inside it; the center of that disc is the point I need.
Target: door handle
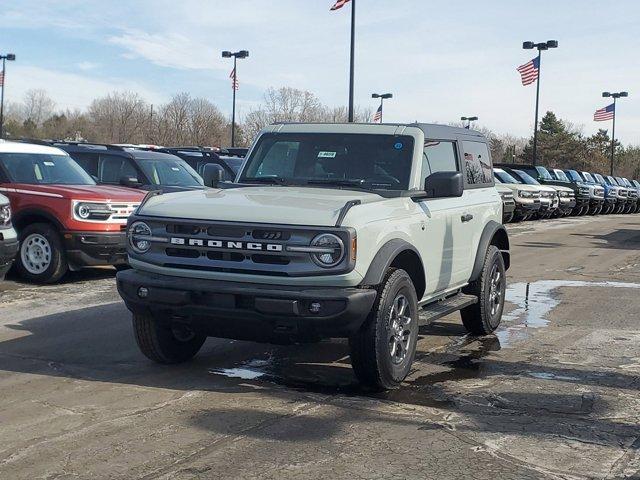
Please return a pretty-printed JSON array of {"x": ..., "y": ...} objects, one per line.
[{"x": 467, "y": 217}]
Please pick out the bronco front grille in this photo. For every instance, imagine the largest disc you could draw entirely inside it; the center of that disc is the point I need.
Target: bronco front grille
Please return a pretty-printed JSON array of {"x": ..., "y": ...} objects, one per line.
[{"x": 239, "y": 248}]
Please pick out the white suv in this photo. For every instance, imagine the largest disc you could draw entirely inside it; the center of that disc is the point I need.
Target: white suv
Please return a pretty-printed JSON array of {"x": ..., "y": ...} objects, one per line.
[{"x": 357, "y": 231}]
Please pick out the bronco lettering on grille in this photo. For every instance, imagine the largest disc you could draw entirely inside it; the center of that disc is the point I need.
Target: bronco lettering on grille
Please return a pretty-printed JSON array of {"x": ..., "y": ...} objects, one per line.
[{"x": 227, "y": 244}]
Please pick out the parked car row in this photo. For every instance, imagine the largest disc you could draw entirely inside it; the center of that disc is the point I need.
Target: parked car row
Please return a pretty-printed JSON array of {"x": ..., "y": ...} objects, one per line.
[
  {"x": 530, "y": 191},
  {"x": 68, "y": 203}
]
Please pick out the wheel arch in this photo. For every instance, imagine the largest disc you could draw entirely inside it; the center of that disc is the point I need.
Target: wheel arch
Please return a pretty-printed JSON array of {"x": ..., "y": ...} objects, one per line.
[
  {"x": 493, "y": 234},
  {"x": 27, "y": 217},
  {"x": 397, "y": 253}
]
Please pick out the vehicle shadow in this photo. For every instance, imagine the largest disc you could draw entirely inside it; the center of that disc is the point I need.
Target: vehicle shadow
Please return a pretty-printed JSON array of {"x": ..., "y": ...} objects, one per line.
[{"x": 620, "y": 239}]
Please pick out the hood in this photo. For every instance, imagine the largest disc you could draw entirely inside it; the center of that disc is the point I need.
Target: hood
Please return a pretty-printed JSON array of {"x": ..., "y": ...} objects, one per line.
[
  {"x": 522, "y": 186},
  {"x": 559, "y": 188},
  {"x": 264, "y": 204},
  {"x": 83, "y": 192}
]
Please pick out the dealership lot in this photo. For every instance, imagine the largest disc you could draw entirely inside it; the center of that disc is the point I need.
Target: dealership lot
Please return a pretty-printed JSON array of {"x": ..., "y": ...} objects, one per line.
[{"x": 553, "y": 394}]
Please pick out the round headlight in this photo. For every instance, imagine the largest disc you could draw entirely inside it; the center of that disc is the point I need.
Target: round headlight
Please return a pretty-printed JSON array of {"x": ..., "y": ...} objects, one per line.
[
  {"x": 137, "y": 232},
  {"x": 84, "y": 211},
  {"x": 333, "y": 248}
]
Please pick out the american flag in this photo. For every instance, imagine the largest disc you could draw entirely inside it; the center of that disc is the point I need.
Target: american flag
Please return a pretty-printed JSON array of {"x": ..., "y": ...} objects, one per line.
[
  {"x": 234, "y": 80},
  {"x": 339, "y": 4},
  {"x": 529, "y": 71},
  {"x": 377, "y": 117},
  {"x": 604, "y": 113},
  {"x": 2, "y": 78}
]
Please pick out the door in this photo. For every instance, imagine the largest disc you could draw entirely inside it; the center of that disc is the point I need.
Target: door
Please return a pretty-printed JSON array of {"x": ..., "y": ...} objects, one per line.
[
  {"x": 442, "y": 216},
  {"x": 481, "y": 203}
]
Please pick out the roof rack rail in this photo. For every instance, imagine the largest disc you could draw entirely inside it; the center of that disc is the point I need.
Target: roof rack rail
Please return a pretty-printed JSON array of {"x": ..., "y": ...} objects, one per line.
[
  {"x": 36, "y": 141},
  {"x": 108, "y": 146}
]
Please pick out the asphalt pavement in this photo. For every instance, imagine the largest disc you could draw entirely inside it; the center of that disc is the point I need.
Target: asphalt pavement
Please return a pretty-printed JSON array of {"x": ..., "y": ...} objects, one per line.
[{"x": 554, "y": 394}]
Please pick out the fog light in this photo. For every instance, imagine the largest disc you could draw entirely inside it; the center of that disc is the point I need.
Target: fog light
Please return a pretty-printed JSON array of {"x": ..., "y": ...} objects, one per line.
[
  {"x": 315, "y": 307},
  {"x": 143, "y": 292}
]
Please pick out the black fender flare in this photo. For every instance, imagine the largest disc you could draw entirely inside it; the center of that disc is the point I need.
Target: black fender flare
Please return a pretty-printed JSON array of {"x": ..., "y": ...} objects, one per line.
[
  {"x": 382, "y": 260},
  {"x": 17, "y": 218},
  {"x": 490, "y": 231}
]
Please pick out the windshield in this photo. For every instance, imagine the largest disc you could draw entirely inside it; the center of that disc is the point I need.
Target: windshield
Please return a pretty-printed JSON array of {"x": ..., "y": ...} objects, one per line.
[
  {"x": 612, "y": 181},
  {"x": 560, "y": 175},
  {"x": 544, "y": 173},
  {"x": 526, "y": 178},
  {"x": 44, "y": 169},
  {"x": 504, "y": 176},
  {"x": 588, "y": 178},
  {"x": 376, "y": 162},
  {"x": 170, "y": 173},
  {"x": 599, "y": 178},
  {"x": 574, "y": 176},
  {"x": 636, "y": 183}
]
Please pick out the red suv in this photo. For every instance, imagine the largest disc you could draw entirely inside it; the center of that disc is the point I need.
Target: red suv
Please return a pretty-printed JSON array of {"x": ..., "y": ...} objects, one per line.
[{"x": 64, "y": 220}]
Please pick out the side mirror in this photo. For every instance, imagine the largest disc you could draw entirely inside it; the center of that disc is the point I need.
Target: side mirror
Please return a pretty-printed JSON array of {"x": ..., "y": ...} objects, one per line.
[
  {"x": 444, "y": 184},
  {"x": 131, "y": 182},
  {"x": 212, "y": 174}
]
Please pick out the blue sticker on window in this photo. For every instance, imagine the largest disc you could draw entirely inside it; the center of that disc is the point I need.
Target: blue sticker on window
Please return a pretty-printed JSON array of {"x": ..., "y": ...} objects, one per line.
[{"x": 398, "y": 146}]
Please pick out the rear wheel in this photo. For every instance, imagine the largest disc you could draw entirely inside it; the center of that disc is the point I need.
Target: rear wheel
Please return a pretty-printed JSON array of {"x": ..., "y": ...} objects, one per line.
[
  {"x": 382, "y": 351},
  {"x": 484, "y": 316},
  {"x": 164, "y": 342},
  {"x": 41, "y": 258}
]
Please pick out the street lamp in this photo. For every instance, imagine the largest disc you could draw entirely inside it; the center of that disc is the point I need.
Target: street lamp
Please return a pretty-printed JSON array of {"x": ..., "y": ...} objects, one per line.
[
  {"x": 234, "y": 84},
  {"x": 11, "y": 57},
  {"x": 615, "y": 96},
  {"x": 540, "y": 46},
  {"x": 381, "y": 96},
  {"x": 468, "y": 119}
]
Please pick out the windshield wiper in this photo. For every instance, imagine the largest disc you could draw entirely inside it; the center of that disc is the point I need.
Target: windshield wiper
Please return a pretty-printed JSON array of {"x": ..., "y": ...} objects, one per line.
[
  {"x": 271, "y": 179},
  {"x": 356, "y": 182}
]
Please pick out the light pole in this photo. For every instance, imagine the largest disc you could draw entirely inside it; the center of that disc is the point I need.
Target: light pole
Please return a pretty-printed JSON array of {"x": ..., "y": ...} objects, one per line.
[
  {"x": 382, "y": 97},
  {"x": 615, "y": 96},
  {"x": 468, "y": 119},
  {"x": 540, "y": 46},
  {"x": 11, "y": 57},
  {"x": 234, "y": 84}
]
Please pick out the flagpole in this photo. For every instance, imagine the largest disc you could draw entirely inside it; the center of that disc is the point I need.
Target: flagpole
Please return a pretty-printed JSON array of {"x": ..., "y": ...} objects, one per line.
[
  {"x": 613, "y": 135},
  {"x": 2, "y": 101},
  {"x": 381, "y": 100},
  {"x": 351, "y": 61},
  {"x": 535, "y": 125},
  {"x": 233, "y": 108}
]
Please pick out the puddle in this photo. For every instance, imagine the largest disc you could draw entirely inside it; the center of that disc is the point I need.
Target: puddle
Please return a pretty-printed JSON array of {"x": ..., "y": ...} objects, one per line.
[
  {"x": 550, "y": 376},
  {"x": 533, "y": 303},
  {"x": 248, "y": 371}
]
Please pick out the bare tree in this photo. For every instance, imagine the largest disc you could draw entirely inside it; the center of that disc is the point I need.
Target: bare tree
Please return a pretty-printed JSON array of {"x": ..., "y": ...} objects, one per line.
[
  {"x": 119, "y": 117},
  {"x": 37, "y": 106}
]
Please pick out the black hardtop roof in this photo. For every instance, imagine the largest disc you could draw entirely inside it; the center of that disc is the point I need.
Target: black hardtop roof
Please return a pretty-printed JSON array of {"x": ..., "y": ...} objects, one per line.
[{"x": 129, "y": 152}]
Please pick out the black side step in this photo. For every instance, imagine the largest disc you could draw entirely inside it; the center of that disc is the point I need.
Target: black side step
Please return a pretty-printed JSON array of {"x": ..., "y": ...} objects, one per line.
[{"x": 433, "y": 311}]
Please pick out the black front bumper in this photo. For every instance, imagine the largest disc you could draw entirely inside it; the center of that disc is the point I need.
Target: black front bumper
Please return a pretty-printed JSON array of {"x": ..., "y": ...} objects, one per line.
[
  {"x": 85, "y": 249},
  {"x": 8, "y": 251},
  {"x": 248, "y": 311}
]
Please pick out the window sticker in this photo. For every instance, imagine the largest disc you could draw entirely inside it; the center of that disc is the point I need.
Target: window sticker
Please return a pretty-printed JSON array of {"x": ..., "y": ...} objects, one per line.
[
  {"x": 175, "y": 169},
  {"x": 327, "y": 154},
  {"x": 49, "y": 164},
  {"x": 398, "y": 146}
]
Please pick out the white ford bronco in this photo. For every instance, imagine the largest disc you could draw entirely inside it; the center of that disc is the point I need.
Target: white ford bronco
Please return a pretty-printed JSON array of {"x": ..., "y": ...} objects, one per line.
[{"x": 356, "y": 231}]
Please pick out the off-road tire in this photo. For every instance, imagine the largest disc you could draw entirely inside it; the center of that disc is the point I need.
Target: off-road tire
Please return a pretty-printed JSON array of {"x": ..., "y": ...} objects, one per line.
[
  {"x": 371, "y": 357},
  {"x": 157, "y": 341},
  {"x": 479, "y": 319},
  {"x": 58, "y": 265}
]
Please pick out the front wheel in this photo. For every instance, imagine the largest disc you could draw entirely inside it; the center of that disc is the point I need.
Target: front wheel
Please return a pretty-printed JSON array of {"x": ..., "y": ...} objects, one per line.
[
  {"x": 484, "y": 316},
  {"x": 166, "y": 342},
  {"x": 41, "y": 258},
  {"x": 382, "y": 351}
]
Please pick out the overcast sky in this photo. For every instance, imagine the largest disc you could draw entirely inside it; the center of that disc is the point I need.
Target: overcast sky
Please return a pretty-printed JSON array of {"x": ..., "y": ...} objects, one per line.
[{"x": 440, "y": 59}]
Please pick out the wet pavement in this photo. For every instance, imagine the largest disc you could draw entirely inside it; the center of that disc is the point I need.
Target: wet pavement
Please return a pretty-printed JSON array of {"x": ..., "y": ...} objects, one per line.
[{"x": 554, "y": 394}]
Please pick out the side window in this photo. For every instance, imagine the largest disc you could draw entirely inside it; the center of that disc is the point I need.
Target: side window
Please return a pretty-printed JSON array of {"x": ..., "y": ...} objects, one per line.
[
  {"x": 112, "y": 168},
  {"x": 477, "y": 163},
  {"x": 88, "y": 161},
  {"x": 439, "y": 156}
]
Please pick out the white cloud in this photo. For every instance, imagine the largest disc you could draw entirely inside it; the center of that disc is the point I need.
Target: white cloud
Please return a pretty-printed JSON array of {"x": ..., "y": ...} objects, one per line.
[
  {"x": 87, "y": 65},
  {"x": 69, "y": 90}
]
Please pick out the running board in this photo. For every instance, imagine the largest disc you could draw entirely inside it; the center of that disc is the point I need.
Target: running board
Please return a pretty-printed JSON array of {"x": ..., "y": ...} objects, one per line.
[{"x": 438, "y": 309}]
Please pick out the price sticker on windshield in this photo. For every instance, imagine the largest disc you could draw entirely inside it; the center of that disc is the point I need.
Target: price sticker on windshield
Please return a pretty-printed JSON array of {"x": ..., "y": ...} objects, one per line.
[{"x": 327, "y": 154}]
